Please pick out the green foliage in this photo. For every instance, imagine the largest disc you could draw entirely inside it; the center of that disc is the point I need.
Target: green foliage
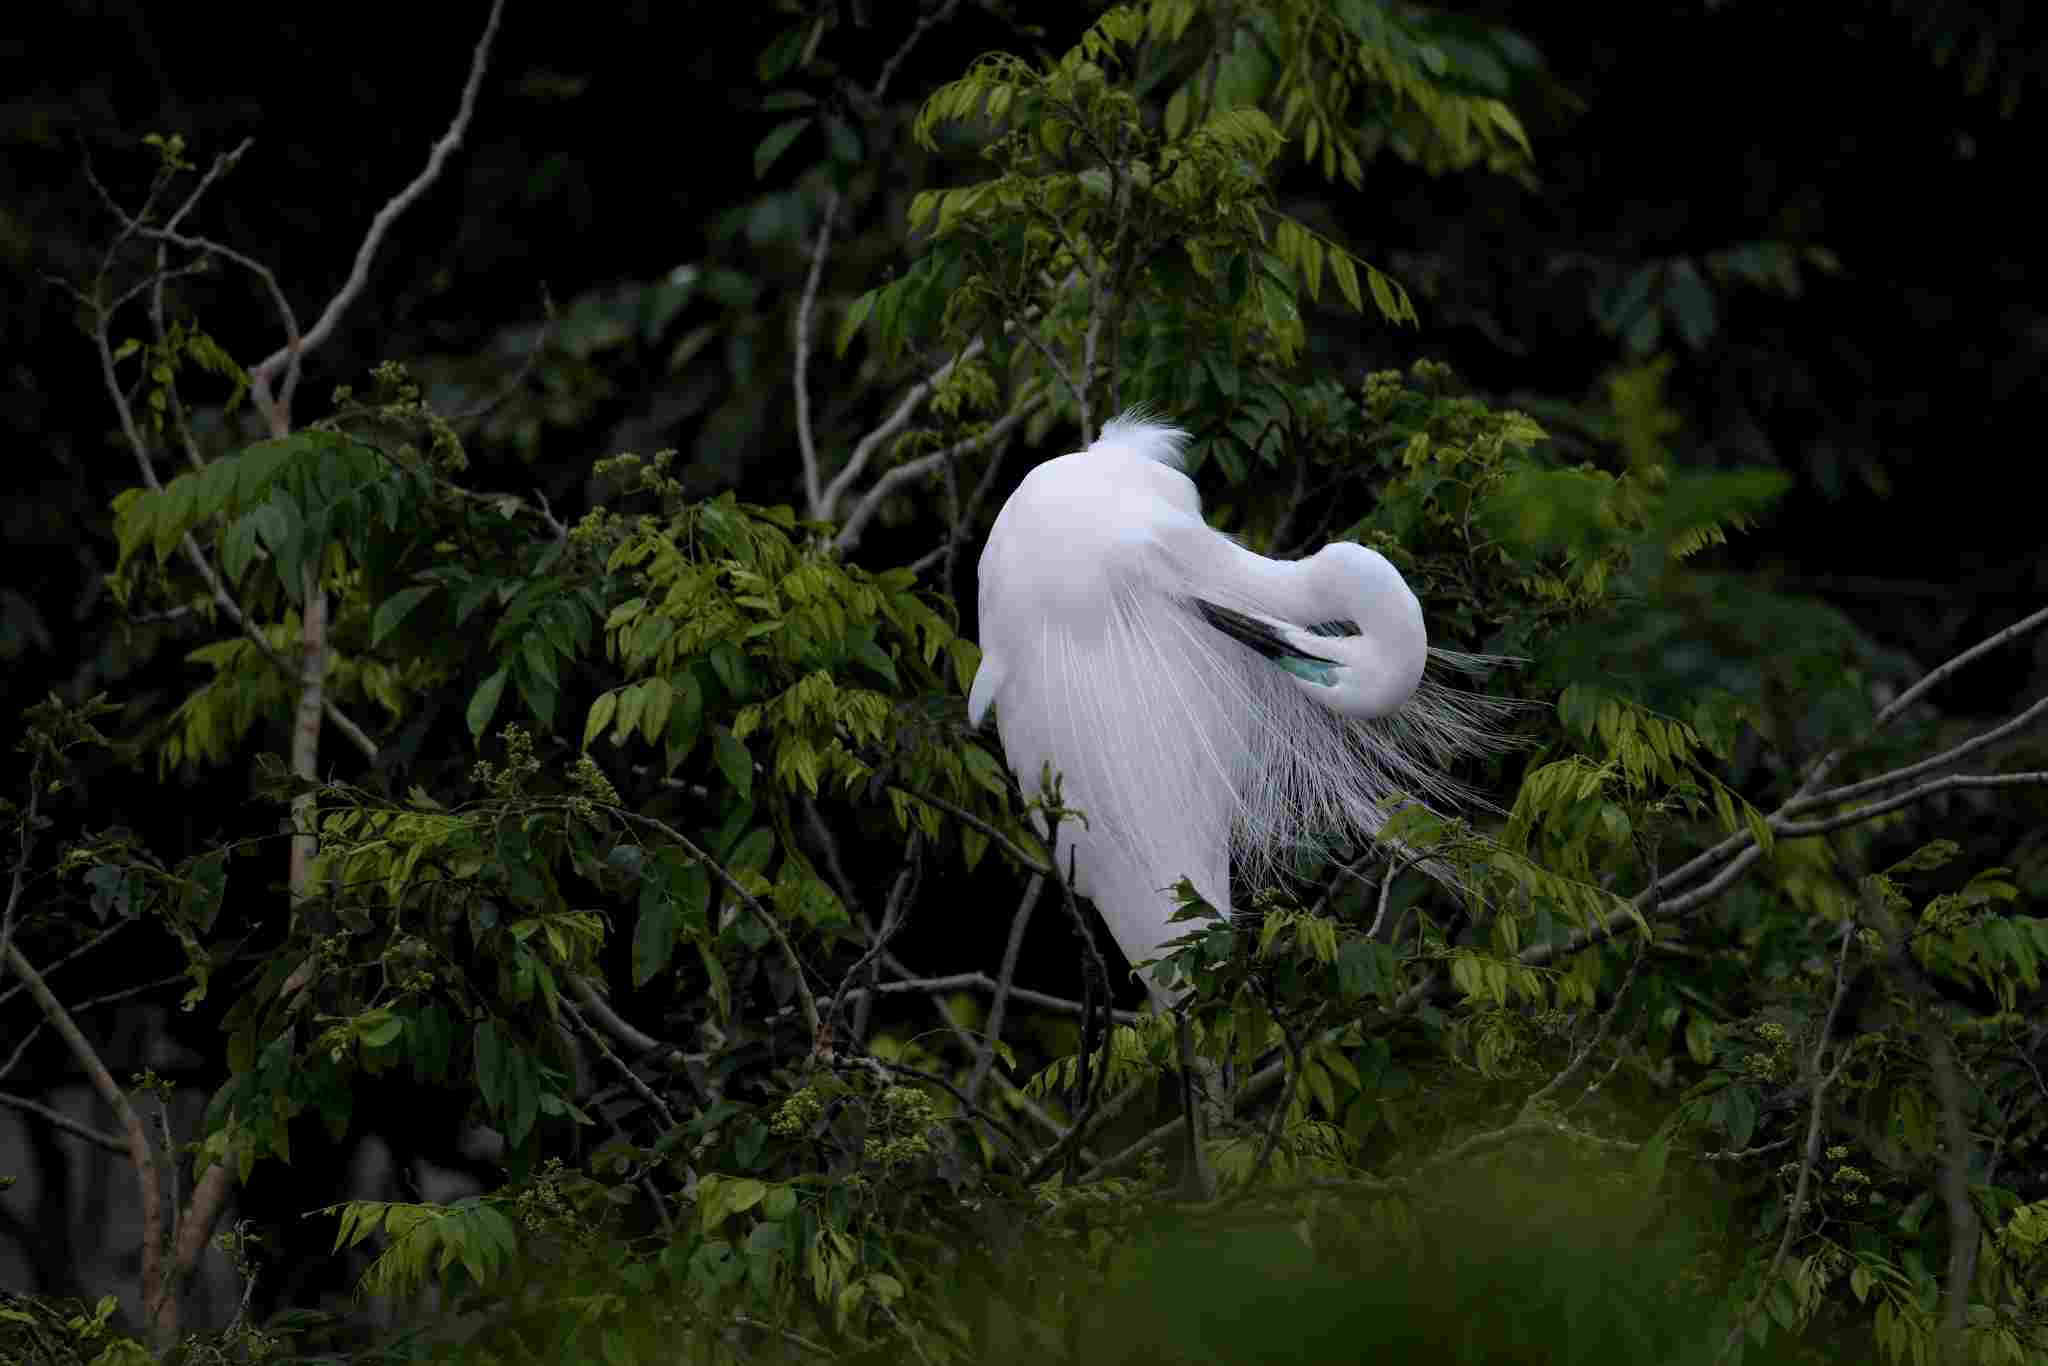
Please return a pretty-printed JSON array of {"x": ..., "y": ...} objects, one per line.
[
  {"x": 277, "y": 503},
  {"x": 1174, "y": 220},
  {"x": 66, "y": 1334},
  {"x": 1489, "y": 1053},
  {"x": 427, "y": 1243}
]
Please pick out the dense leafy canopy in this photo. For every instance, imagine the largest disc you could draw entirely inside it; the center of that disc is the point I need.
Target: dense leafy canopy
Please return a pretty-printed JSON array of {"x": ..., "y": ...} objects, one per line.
[{"x": 616, "y": 837}]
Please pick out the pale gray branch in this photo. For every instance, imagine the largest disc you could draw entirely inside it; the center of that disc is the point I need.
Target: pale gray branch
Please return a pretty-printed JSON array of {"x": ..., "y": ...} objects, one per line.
[
  {"x": 287, "y": 358},
  {"x": 99, "y": 1138},
  {"x": 865, "y": 450},
  {"x": 806, "y": 436},
  {"x": 871, "y": 502}
]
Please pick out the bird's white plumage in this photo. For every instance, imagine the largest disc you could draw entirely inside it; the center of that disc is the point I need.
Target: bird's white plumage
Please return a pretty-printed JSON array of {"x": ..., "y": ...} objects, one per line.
[{"x": 1101, "y": 594}]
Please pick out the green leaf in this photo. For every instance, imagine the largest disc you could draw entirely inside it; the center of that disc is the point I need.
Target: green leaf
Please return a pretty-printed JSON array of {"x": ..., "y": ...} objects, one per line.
[
  {"x": 379, "y": 1028},
  {"x": 734, "y": 762},
  {"x": 784, "y": 51},
  {"x": 1741, "y": 1115},
  {"x": 731, "y": 668},
  {"x": 856, "y": 314},
  {"x": 654, "y": 713},
  {"x": 490, "y": 1062},
  {"x": 685, "y": 718},
  {"x": 393, "y": 611},
  {"x": 746, "y": 1149},
  {"x": 753, "y": 851},
  {"x": 776, "y": 143},
  {"x": 654, "y": 937},
  {"x": 871, "y": 655},
  {"x": 1699, "y": 1039},
  {"x": 1361, "y": 970},
  {"x": 277, "y": 524},
  {"x": 600, "y": 716},
  {"x": 1925, "y": 859},
  {"x": 484, "y": 703},
  {"x": 517, "y": 861},
  {"x": 721, "y": 1197},
  {"x": 691, "y": 887},
  {"x": 238, "y": 548}
]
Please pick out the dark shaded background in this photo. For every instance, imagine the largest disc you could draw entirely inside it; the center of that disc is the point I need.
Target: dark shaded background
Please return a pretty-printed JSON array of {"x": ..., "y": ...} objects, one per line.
[{"x": 611, "y": 166}]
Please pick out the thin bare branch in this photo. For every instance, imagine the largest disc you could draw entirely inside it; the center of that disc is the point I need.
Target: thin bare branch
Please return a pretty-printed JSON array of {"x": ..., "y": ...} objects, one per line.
[
  {"x": 527, "y": 363},
  {"x": 895, "y": 913},
  {"x": 113, "y": 1143},
  {"x": 644, "y": 1045},
  {"x": 907, "y": 408},
  {"x": 1952, "y": 782},
  {"x": 1856, "y": 791},
  {"x": 1271, "y": 1141},
  {"x": 633, "y": 1081},
  {"x": 787, "y": 1335},
  {"x": 1600, "y": 1033},
  {"x": 25, "y": 843},
  {"x": 1018, "y": 1147},
  {"x": 981, "y": 981},
  {"x": 288, "y": 358},
  {"x": 1914, "y": 694},
  {"x": 1822, "y": 1079},
  {"x": 871, "y": 502},
  {"x": 961, "y": 813},
  {"x": 169, "y": 235},
  {"x": 156, "y": 1286},
  {"x": 1019, "y": 921},
  {"x": 963, "y": 519},
  {"x": 806, "y": 436},
  {"x": 937, "y": 14},
  {"x": 799, "y": 974},
  {"x": 1093, "y": 1036},
  {"x": 58, "y": 964}
]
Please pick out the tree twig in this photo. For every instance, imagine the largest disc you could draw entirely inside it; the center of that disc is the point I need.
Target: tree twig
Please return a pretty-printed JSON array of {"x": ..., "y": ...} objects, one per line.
[
  {"x": 864, "y": 450},
  {"x": 981, "y": 981},
  {"x": 287, "y": 358},
  {"x": 113, "y": 1143},
  {"x": 799, "y": 974},
  {"x": 863, "y": 512},
  {"x": 158, "y": 1298},
  {"x": 1822, "y": 1079},
  {"x": 895, "y": 913},
  {"x": 1020, "y": 919},
  {"x": 806, "y": 436},
  {"x": 1914, "y": 693}
]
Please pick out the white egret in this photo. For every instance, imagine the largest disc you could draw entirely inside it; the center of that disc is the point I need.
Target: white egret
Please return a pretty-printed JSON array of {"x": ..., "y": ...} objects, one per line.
[{"x": 1199, "y": 699}]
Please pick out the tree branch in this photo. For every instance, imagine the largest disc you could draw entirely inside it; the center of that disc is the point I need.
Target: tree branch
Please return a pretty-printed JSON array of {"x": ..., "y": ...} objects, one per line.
[
  {"x": 157, "y": 1299},
  {"x": 1914, "y": 693},
  {"x": 1821, "y": 1081},
  {"x": 806, "y": 437},
  {"x": 871, "y": 502},
  {"x": 113, "y": 1143},
  {"x": 287, "y": 358},
  {"x": 807, "y": 1001},
  {"x": 907, "y": 408},
  {"x": 1020, "y": 919}
]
